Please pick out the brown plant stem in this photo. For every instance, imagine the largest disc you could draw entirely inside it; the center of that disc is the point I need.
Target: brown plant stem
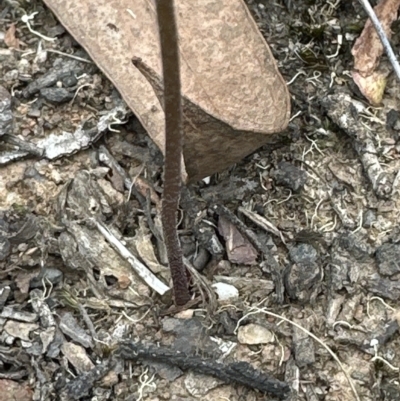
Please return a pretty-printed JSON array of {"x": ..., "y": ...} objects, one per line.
[{"x": 173, "y": 146}]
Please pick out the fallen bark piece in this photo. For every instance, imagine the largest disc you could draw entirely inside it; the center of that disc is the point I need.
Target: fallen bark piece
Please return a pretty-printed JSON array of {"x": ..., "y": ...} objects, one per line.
[
  {"x": 81, "y": 385},
  {"x": 346, "y": 113},
  {"x": 77, "y": 357},
  {"x": 228, "y": 72},
  {"x": 237, "y": 372}
]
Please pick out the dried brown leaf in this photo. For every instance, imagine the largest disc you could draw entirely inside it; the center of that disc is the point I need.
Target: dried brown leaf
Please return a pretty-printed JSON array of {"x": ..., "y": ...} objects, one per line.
[
  {"x": 367, "y": 52},
  {"x": 228, "y": 71},
  {"x": 10, "y": 39},
  {"x": 371, "y": 86},
  {"x": 238, "y": 248}
]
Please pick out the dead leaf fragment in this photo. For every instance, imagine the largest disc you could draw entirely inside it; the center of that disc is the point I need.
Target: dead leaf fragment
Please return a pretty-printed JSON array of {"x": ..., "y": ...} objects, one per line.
[
  {"x": 238, "y": 248},
  {"x": 9, "y": 38},
  {"x": 368, "y": 48},
  {"x": 228, "y": 72},
  {"x": 367, "y": 52},
  {"x": 371, "y": 86}
]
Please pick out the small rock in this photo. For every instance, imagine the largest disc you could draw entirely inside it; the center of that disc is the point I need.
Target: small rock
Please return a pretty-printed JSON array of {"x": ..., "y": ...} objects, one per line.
[
  {"x": 384, "y": 287},
  {"x": 290, "y": 176},
  {"x": 303, "y": 253},
  {"x": 388, "y": 259},
  {"x": 20, "y": 330},
  {"x": 120, "y": 331},
  {"x": 225, "y": 292},
  {"x": 34, "y": 348},
  {"x": 77, "y": 356},
  {"x": 208, "y": 239},
  {"x": 167, "y": 372},
  {"x": 199, "y": 385},
  {"x": 55, "y": 30},
  {"x": 190, "y": 333},
  {"x": 11, "y": 76},
  {"x": 201, "y": 259},
  {"x": 69, "y": 80},
  {"x": 51, "y": 274},
  {"x": 71, "y": 328},
  {"x": 110, "y": 379},
  {"x": 356, "y": 247},
  {"x": 390, "y": 391},
  {"x": 392, "y": 117},
  {"x": 301, "y": 280},
  {"x": 254, "y": 334},
  {"x": 185, "y": 314},
  {"x": 369, "y": 218},
  {"x": 188, "y": 245},
  {"x": 56, "y": 95},
  {"x": 22, "y": 247},
  {"x": 34, "y": 112},
  {"x": 31, "y": 172},
  {"x": 10, "y": 313},
  {"x": 11, "y": 390},
  {"x": 227, "y": 322}
]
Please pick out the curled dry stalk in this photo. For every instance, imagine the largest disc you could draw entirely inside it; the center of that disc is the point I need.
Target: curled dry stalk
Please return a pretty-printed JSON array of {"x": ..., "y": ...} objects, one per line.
[{"x": 173, "y": 146}]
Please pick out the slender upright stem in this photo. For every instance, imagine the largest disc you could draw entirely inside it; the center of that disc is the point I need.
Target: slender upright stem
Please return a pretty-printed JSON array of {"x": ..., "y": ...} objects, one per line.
[{"x": 173, "y": 146}]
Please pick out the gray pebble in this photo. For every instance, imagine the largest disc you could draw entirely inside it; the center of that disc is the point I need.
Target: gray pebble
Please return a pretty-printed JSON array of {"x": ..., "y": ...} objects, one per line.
[
  {"x": 290, "y": 176},
  {"x": 56, "y": 95},
  {"x": 388, "y": 259}
]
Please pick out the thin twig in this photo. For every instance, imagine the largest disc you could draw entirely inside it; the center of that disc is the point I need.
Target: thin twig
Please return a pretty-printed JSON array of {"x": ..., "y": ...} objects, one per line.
[
  {"x": 141, "y": 270},
  {"x": 236, "y": 372}
]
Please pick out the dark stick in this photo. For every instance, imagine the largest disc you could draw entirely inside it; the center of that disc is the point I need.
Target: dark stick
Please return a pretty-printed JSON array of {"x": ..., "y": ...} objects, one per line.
[
  {"x": 173, "y": 146},
  {"x": 237, "y": 372}
]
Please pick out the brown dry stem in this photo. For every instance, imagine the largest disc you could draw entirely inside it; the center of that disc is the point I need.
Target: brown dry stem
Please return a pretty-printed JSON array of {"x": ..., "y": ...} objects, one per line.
[{"x": 173, "y": 146}]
